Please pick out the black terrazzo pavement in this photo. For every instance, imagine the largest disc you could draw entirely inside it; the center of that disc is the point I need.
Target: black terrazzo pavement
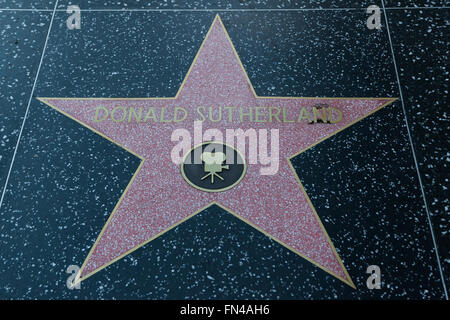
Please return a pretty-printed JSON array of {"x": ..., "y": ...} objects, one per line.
[
  {"x": 217, "y": 4},
  {"x": 22, "y": 38},
  {"x": 417, "y": 3},
  {"x": 27, "y": 4},
  {"x": 66, "y": 179}
]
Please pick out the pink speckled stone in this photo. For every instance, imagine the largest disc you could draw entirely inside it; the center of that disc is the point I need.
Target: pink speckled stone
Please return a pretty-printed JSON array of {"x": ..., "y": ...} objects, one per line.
[{"x": 159, "y": 197}]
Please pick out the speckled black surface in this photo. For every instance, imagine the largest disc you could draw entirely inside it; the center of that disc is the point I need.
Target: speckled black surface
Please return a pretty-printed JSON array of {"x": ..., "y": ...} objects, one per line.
[
  {"x": 27, "y": 4},
  {"x": 421, "y": 45},
  {"x": 22, "y": 39},
  {"x": 218, "y": 4},
  {"x": 303, "y": 57},
  {"x": 66, "y": 179},
  {"x": 370, "y": 203},
  {"x": 65, "y": 183},
  {"x": 416, "y": 3},
  {"x": 158, "y": 54}
]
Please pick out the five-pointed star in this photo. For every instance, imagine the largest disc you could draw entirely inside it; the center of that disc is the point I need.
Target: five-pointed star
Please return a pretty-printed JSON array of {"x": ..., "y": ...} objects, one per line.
[{"x": 158, "y": 198}]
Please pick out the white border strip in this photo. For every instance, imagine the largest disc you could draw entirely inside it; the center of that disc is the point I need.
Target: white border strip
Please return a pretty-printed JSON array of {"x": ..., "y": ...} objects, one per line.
[
  {"x": 414, "y": 154},
  {"x": 28, "y": 107}
]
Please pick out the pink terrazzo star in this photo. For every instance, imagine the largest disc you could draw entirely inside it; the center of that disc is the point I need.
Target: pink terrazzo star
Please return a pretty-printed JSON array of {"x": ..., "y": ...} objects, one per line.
[{"x": 158, "y": 198}]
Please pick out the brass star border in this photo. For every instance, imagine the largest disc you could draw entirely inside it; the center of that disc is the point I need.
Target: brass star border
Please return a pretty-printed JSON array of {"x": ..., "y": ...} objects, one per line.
[{"x": 348, "y": 282}]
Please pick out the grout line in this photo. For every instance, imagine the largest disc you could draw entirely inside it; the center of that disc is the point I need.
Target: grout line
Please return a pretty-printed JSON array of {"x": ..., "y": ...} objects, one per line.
[
  {"x": 28, "y": 106},
  {"x": 414, "y": 155},
  {"x": 222, "y": 9}
]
